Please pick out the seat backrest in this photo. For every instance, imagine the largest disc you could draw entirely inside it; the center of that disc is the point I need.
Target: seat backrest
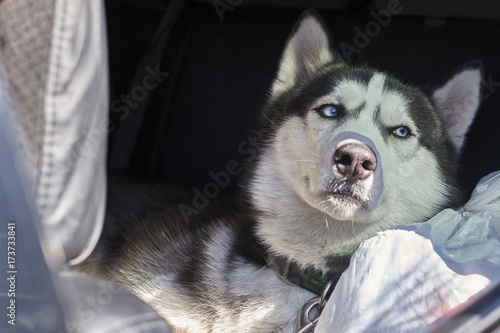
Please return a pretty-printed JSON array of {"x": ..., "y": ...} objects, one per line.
[{"x": 201, "y": 116}]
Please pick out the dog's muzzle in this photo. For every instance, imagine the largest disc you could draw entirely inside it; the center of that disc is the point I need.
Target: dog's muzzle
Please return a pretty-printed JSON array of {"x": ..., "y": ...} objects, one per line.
[{"x": 353, "y": 168}]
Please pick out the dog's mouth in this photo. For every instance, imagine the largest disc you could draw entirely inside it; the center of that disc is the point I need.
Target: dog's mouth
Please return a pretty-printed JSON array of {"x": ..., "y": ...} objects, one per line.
[
  {"x": 345, "y": 199},
  {"x": 347, "y": 190},
  {"x": 342, "y": 197}
]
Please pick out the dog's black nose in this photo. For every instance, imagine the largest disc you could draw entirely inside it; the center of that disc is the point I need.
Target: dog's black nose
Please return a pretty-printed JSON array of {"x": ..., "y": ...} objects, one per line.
[{"x": 355, "y": 160}]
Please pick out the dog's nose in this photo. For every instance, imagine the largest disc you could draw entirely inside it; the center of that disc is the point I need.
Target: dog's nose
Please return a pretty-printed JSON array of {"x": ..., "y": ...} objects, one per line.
[{"x": 355, "y": 160}]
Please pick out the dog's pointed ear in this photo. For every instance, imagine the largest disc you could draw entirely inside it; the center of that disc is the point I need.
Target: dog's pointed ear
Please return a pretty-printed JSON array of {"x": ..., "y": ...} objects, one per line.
[
  {"x": 307, "y": 49},
  {"x": 458, "y": 101}
]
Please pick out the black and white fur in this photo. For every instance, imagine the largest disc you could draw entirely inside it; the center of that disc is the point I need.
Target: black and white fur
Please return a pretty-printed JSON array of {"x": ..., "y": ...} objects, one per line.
[{"x": 351, "y": 151}]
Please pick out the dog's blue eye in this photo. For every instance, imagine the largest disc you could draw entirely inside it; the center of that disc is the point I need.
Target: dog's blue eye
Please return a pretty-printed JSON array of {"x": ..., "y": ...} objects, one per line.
[
  {"x": 328, "y": 110},
  {"x": 401, "y": 132}
]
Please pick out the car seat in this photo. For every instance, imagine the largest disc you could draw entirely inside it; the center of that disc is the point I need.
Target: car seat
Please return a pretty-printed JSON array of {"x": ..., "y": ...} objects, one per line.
[{"x": 53, "y": 140}]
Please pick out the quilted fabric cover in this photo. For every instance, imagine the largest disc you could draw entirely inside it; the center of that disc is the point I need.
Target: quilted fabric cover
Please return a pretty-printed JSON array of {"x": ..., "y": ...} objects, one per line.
[{"x": 55, "y": 56}]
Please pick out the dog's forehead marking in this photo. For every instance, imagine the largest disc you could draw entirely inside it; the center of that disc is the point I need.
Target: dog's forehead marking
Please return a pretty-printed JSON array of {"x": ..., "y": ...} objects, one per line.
[
  {"x": 349, "y": 93},
  {"x": 375, "y": 91},
  {"x": 352, "y": 93},
  {"x": 389, "y": 106},
  {"x": 394, "y": 107}
]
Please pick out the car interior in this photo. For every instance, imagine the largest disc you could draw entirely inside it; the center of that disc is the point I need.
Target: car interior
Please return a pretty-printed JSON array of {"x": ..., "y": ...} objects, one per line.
[{"x": 182, "y": 83}]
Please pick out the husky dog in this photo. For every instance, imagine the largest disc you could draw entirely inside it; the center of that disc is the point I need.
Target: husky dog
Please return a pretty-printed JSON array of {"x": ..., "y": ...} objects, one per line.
[{"x": 350, "y": 151}]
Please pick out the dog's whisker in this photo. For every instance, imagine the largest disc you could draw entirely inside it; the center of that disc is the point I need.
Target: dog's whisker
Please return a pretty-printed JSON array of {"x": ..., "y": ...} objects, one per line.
[
  {"x": 322, "y": 202},
  {"x": 265, "y": 116},
  {"x": 302, "y": 175},
  {"x": 326, "y": 221},
  {"x": 297, "y": 161}
]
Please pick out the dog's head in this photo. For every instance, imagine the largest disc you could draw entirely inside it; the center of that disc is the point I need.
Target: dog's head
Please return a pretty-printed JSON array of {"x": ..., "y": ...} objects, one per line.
[{"x": 355, "y": 144}]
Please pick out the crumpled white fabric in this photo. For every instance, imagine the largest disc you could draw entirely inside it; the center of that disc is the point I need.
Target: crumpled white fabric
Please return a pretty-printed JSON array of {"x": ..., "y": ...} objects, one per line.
[
  {"x": 409, "y": 278},
  {"x": 71, "y": 189}
]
